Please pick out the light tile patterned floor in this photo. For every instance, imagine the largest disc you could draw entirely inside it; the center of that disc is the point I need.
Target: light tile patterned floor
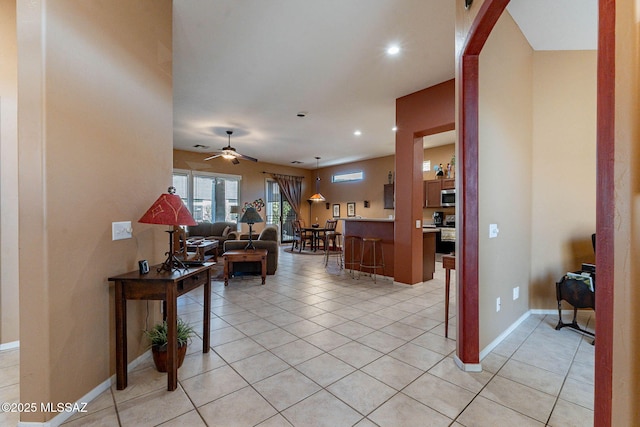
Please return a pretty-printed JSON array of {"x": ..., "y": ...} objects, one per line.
[{"x": 315, "y": 347}]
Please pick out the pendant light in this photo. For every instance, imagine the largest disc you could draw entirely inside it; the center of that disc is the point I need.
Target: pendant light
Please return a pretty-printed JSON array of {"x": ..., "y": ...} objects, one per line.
[{"x": 317, "y": 197}]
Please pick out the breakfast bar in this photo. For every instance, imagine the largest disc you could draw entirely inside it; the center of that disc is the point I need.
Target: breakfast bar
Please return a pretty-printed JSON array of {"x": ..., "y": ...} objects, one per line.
[{"x": 383, "y": 229}]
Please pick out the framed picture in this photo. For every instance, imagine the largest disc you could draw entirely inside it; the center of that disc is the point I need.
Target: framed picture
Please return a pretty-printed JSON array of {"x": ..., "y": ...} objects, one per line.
[
  {"x": 336, "y": 210},
  {"x": 351, "y": 209}
]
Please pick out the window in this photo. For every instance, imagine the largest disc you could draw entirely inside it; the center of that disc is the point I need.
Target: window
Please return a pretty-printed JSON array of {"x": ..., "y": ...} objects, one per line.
[
  {"x": 350, "y": 176},
  {"x": 208, "y": 196},
  {"x": 426, "y": 166}
]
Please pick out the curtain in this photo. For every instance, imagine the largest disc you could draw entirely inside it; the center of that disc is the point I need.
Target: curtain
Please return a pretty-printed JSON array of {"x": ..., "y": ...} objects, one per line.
[{"x": 291, "y": 189}]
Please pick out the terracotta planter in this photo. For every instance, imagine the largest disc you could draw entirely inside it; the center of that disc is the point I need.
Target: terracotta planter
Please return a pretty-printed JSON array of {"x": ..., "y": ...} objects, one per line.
[{"x": 160, "y": 356}]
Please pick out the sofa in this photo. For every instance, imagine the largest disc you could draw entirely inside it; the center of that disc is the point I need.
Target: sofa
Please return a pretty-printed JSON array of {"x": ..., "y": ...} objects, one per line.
[
  {"x": 220, "y": 231},
  {"x": 268, "y": 239}
]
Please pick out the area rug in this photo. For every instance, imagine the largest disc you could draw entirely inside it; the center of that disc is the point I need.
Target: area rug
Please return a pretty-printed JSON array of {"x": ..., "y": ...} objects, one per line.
[{"x": 304, "y": 252}]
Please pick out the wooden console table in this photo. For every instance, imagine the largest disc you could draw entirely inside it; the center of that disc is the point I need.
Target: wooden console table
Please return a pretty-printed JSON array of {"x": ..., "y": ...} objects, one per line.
[
  {"x": 449, "y": 263},
  {"x": 163, "y": 286},
  {"x": 241, "y": 255}
]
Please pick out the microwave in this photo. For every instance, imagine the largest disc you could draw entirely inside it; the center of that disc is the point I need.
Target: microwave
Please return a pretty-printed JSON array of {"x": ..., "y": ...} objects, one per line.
[{"x": 448, "y": 198}]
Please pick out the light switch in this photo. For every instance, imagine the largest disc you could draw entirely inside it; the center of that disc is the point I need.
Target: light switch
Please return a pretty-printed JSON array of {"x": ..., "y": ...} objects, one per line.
[
  {"x": 493, "y": 231},
  {"x": 121, "y": 230},
  {"x": 418, "y": 224}
]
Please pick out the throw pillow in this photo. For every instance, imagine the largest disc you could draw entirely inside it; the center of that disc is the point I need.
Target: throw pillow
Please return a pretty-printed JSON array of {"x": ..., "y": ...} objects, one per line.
[{"x": 225, "y": 232}]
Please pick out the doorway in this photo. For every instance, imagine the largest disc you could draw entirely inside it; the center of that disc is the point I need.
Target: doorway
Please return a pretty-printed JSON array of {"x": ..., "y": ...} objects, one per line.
[{"x": 279, "y": 213}]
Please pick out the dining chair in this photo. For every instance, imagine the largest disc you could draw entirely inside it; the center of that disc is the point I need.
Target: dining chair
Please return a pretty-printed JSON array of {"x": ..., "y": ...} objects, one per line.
[{"x": 300, "y": 236}]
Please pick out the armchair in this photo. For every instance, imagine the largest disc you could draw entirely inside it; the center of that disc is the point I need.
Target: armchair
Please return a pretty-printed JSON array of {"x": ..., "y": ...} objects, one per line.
[{"x": 268, "y": 239}]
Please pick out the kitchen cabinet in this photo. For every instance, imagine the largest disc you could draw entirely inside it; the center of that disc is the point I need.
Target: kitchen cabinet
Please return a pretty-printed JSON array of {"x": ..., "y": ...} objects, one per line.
[
  {"x": 432, "y": 193},
  {"x": 388, "y": 196},
  {"x": 432, "y": 189},
  {"x": 448, "y": 184}
]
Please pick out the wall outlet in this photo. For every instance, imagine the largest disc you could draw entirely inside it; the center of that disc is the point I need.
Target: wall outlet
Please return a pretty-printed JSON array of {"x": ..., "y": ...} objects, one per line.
[
  {"x": 418, "y": 223},
  {"x": 516, "y": 293},
  {"x": 121, "y": 230},
  {"x": 493, "y": 231},
  {"x": 497, "y": 304}
]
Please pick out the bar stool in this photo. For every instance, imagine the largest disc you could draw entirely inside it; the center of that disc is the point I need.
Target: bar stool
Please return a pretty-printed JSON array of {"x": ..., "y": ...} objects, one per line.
[
  {"x": 335, "y": 250},
  {"x": 373, "y": 243},
  {"x": 351, "y": 242}
]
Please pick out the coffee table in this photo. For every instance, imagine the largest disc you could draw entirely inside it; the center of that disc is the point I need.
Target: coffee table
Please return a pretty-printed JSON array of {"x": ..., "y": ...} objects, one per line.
[
  {"x": 242, "y": 255},
  {"x": 201, "y": 247}
]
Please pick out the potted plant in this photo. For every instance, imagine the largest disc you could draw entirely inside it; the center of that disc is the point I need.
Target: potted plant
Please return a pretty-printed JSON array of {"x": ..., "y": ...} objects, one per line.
[{"x": 158, "y": 337}]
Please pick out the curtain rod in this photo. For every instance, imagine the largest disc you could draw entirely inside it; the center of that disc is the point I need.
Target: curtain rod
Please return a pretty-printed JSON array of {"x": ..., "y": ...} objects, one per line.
[{"x": 282, "y": 174}]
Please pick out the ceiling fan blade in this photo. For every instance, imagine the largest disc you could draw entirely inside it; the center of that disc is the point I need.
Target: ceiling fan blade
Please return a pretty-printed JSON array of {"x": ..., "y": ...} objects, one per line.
[
  {"x": 213, "y": 157},
  {"x": 235, "y": 161},
  {"x": 243, "y": 157}
]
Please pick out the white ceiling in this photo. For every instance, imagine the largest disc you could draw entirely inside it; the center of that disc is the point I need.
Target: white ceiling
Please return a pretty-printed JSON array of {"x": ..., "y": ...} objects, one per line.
[
  {"x": 557, "y": 24},
  {"x": 251, "y": 66}
]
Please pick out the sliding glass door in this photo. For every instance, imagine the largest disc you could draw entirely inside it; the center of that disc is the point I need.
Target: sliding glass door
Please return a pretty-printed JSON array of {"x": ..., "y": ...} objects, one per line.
[{"x": 279, "y": 212}]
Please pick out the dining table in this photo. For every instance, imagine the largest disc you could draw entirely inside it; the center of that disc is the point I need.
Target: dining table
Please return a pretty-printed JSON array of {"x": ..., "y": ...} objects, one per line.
[{"x": 316, "y": 236}]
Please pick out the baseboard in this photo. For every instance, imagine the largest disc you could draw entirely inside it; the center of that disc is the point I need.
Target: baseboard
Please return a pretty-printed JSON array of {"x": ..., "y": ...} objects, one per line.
[
  {"x": 545, "y": 311},
  {"x": 467, "y": 367},
  {"x": 10, "y": 345},
  {"x": 485, "y": 351},
  {"x": 87, "y": 398}
]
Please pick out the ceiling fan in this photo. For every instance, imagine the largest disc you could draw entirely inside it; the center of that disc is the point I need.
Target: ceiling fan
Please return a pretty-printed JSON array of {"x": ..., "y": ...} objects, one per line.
[{"x": 230, "y": 153}]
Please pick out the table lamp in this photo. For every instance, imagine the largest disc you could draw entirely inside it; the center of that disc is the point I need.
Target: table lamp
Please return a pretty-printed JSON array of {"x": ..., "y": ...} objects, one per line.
[
  {"x": 169, "y": 210},
  {"x": 250, "y": 216}
]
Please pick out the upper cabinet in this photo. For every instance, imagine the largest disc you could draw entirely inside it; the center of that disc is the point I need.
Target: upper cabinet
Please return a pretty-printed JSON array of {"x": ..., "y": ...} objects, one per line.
[
  {"x": 448, "y": 184},
  {"x": 432, "y": 189}
]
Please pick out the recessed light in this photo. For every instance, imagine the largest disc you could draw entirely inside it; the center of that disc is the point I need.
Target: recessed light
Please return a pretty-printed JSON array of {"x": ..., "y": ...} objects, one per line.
[
  {"x": 200, "y": 146},
  {"x": 357, "y": 133},
  {"x": 296, "y": 162},
  {"x": 394, "y": 49}
]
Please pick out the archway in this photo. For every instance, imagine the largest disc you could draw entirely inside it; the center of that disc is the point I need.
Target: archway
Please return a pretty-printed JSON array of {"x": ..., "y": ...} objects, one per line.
[{"x": 468, "y": 344}]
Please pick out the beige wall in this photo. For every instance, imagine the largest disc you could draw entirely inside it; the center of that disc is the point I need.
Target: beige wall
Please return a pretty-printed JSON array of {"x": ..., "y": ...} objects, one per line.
[
  {"x": 438, "y": 155},
  {"x": 626, "y": 294},
  {"x": 95, "y": 147},
  {"x": 371, "y": 188},
  {"x": 253, "y": 184},
  {"x": 564, "y": 172},
  {"x": 505, "y": 176},
  {"x": 9, "y": 313}
]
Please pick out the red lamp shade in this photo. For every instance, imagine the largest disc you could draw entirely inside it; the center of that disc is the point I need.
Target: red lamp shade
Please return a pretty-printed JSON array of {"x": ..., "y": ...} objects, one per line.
[{"x": 168, "y": 210}]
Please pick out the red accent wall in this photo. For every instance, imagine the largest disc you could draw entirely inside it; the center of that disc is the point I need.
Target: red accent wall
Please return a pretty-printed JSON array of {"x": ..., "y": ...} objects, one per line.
[{"x": 426, "y": 112}]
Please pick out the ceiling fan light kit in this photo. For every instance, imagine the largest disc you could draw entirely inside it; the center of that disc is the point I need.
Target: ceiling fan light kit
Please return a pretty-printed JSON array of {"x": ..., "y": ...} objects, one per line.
[{"x": 230, "y": 153}]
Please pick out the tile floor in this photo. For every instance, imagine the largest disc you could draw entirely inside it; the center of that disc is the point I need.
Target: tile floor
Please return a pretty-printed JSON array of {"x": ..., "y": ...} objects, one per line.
[{"x": 314, "y": 347}]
